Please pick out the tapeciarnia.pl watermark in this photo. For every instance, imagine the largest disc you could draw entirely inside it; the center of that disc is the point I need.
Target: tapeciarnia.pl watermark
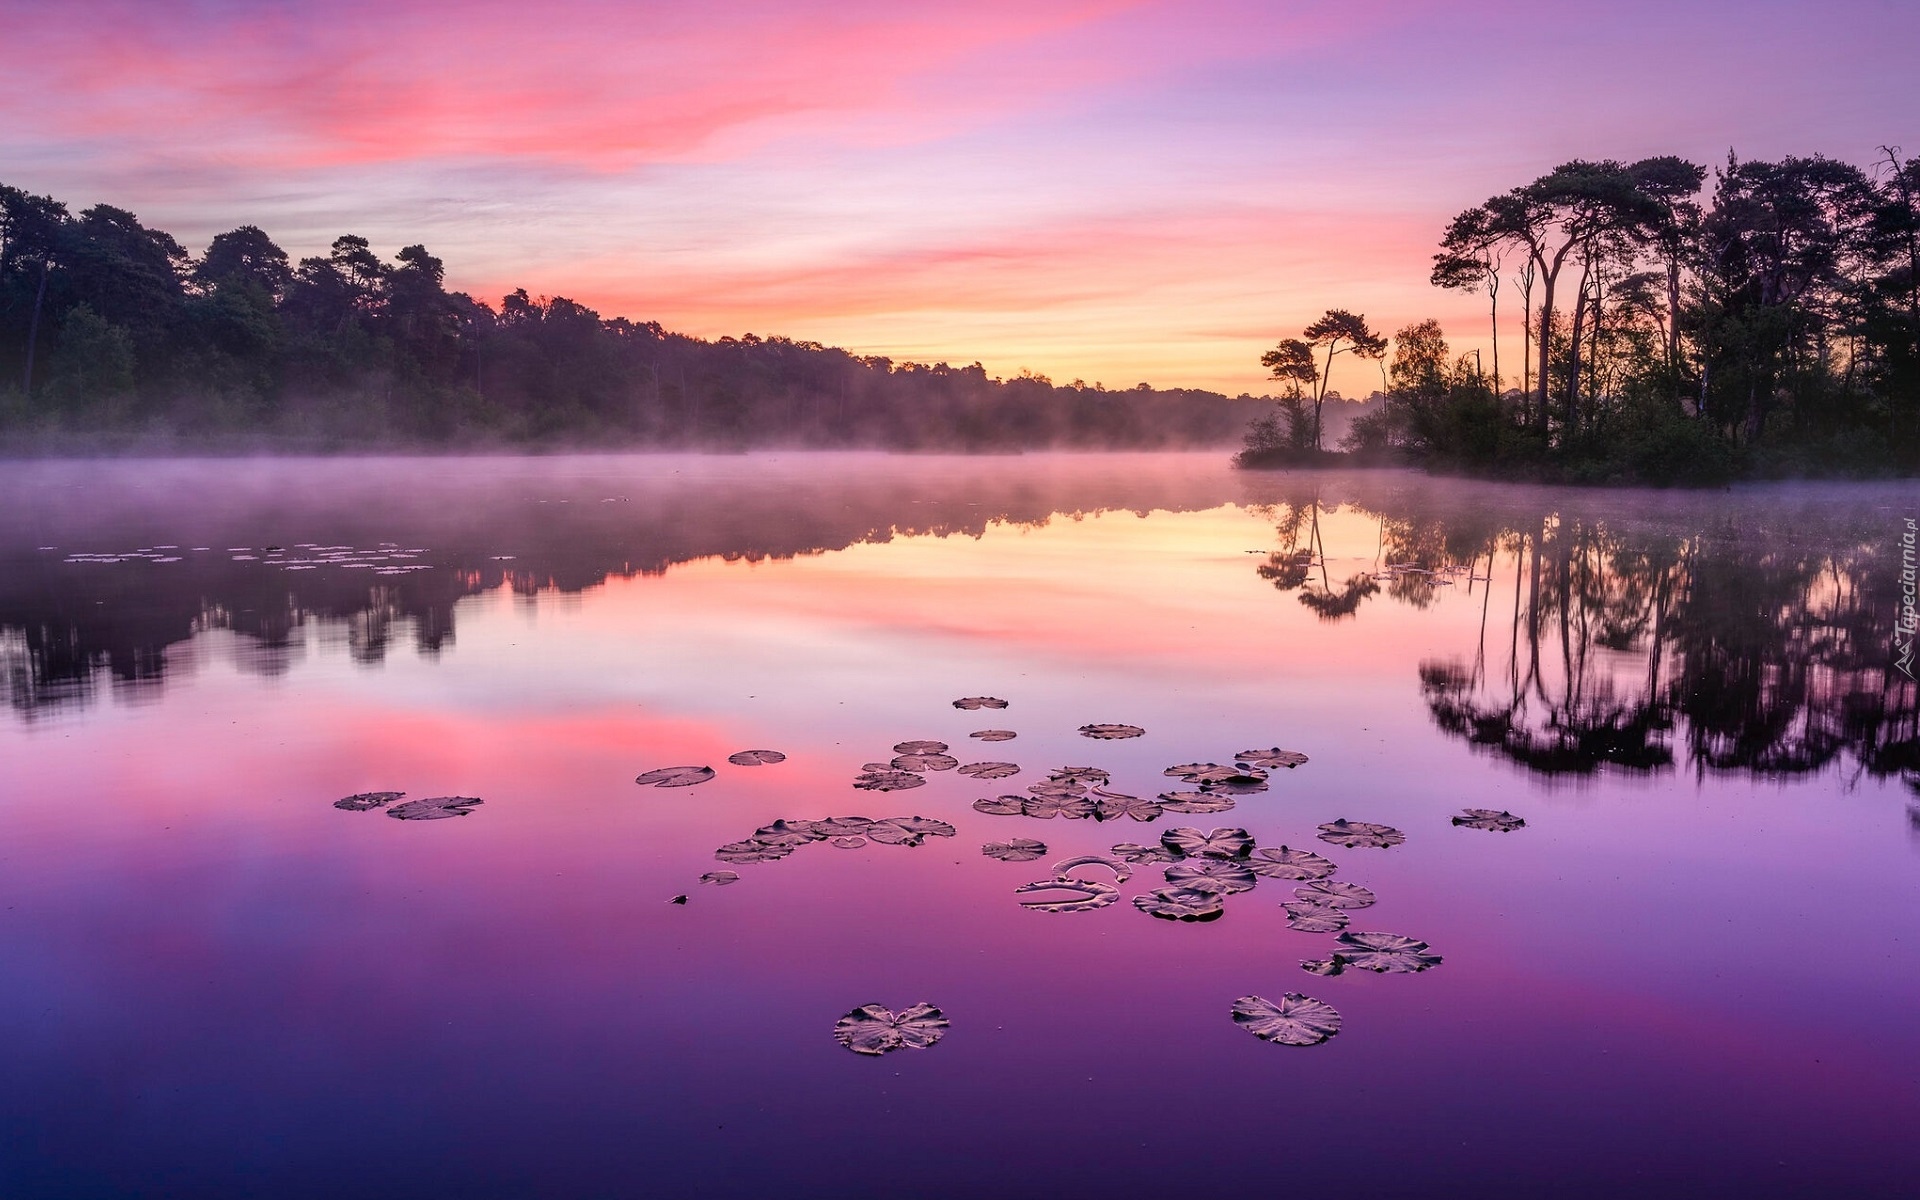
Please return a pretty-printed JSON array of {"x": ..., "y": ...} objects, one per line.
[{"x": 1906, "y": 620}]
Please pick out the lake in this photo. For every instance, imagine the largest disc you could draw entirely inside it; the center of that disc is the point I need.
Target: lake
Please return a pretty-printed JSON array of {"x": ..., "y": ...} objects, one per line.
[{"x": 1692, "y": 971}]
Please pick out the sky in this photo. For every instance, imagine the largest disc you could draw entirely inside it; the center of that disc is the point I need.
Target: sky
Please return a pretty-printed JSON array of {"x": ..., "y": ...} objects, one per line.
[{"x": 1113, "y": 191}]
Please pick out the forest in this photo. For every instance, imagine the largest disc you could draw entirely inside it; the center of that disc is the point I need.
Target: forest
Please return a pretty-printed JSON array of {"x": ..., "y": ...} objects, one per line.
[
  {"x": 112, "y": 333},
  {"x": 1769, "y": 329}
]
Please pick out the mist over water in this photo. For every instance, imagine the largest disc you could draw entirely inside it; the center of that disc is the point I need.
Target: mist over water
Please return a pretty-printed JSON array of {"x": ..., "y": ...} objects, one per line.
[{"x": 1688, "y": 973}]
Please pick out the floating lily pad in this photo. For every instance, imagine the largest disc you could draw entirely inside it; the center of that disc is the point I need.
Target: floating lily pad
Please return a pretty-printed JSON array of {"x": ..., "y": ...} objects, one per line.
[
  {"x": 750, "y": 851},
  {"x": 870, "y": 768},
  {"x": 994, "y": 735},
  {"x": 1079, "y": 775},
  {"x": 832, "y": 827},
  {"x": 1241, "y": 784},
  {"x": 1111, "y": 806},
  {"x": 1295, "y": 1021},
  {"x": 1284, "y": 862},
  {"x": 1057, "y": 787},
  {"x": 1071, "y": 808},
  {"x": 675, "y": 776},
  {"x": 789, "y": 833},
  {"x": 365, "y": 801},
  {"x": 1196, "y": 802},
  {"x": 907, "y": 831},
  {"x": 435, "y": 808},
  {"x": 888, "y": 781},
  {"x": 1315, "y": 918},
  {"x": 1181, "y": 904},
  {"x": 1109, "y": 733},
  {"x": 847, "y": 842},
  {"x": 1275, "y": 757},
  {"x": 1121, "y": 871},
  {"x": 1333, "y": 964},
  {"x": 872, "y": 1029},
  {"x": 920, "y": 748},
  {"x": 1334, "y": 893},
  {"x": 989, "y": 770},
  {"x": 971, "y": 702},
  {"x": 756, "y": 758},
  {"x": 1015, "y": 850},
  {"x": 1186, "y": 770},
  {"x": 1001, "y": 806},
  {"x": 1071, "y": 895},
  {"x": 1218, "y": 843},
  {"x": 1134, "y": 853},
  {"x": 1362, "y": 834},
  {"x": 1385, "y": 953},
  {"x": 720, "y": 878},
  {"x": 1212, "y": 875},
  {"x": 925, "y": 762},
  {"x": 1489, "y": 818}
]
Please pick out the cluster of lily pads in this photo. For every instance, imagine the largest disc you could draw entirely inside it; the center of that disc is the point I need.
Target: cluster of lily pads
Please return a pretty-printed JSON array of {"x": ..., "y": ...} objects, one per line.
[
  {"x": 430, "y": 808},
  {"x": 773, "y": 842}
]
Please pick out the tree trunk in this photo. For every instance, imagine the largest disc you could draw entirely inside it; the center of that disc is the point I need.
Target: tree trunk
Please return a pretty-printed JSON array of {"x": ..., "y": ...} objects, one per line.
[
  {"x": 1574, "y": 355},
  {"x": 1546, "y": 346},
  {"x": 1493, "y": 297}
]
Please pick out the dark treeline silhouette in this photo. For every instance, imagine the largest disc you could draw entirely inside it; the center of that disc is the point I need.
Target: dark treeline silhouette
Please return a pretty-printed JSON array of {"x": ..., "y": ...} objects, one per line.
[
  {"x": 1771, "y": 328},
  {"x": 109, "y": 329},
  {"x": 1746, "y": 639}
]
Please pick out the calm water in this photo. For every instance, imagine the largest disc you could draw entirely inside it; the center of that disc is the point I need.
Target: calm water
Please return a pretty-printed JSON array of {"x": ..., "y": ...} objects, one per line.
[{"x": 1693, "y": 973}]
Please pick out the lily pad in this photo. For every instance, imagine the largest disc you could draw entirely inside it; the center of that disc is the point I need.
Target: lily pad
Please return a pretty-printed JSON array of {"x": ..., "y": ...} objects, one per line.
[
  {"x": 920, "y": 748},
  {"x": 1243, "y": 783},
  {"x": 756, "y": 758},
  {"x": 1001, "y": 806},
  {"x": 1070, "y": 895},
  {"x": 1079, "y": 775},
  {"x": 675, "y": 776},
  {"x": 1057, "y": 787},
  {"x": 365, "y": 801},
  {"x": 720, "y": 878},
  {"x": 1181, "y": 904},
  {"x": 1196, "y": 802},
  {"x": 972, "y": 702},
  {"x": 1295, "y": 1021},
  {"x": 925, "y": 762},
  {"x": 989, "y": 770},
  {"x": 1212, "y": 875},
  {"x": 832, "y": 827},
  {"x": 1385, "y": 953},
  {"x": 994, "y": 735},
  {"x": 1315, "y": 918},
  {"x": 1121, "y": 871},
  {"x": 871, "y": 1029},
  {"x": 749, "y": 852},
  {"x": 1363, "y": 834},
  {"x": 1334, "y": 893},
  {"x": 1015, "y": 850},
  {"x": 1206, "y": 773},
  {"x": 789, "y": 833},
  {"x": 1135, "y": 853},
  {"x": 1276, "y": 757},
  {"x": 1494, "y": 819},
  {"x": 1070, "y": 808},
  {"x": 435, "y": 808},
  {"x": 1218, "y": 843},
  {"x": 1333, "y": 964},
  {"x": 1284, "y": 862},
  {"x": 847, "y": 842},
  {"x": 888, "y": 781},
  {"x": 1111, "y": 806},
  {"x": 907, "y": 831},
  {"x": 1109, "y": 733}
]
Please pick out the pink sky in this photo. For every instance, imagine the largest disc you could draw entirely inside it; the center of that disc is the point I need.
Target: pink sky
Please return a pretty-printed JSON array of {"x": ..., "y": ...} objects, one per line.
[{"x": 1099, "y": 189}]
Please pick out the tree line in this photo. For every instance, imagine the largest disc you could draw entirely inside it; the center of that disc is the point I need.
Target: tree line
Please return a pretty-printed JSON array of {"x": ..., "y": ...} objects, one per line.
[
  {"x": 1770, "y": 328},
  {"x": 110, "y": 327}
]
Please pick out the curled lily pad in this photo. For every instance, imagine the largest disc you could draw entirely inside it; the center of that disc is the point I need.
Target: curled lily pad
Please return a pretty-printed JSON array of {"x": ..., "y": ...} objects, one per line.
[
  {"x": 1295, "y": 1021},
  {"x": 1211, "y": 773},
  {"x": 832, "y": 827},
  {"x": 1181, "y": 904},
  {"x": 907, "y": 831},
  {"x": 1135, "y": 853},
  {"x": 675, "y": 776},
  {"x": 1187, "y": 770},
  {"x": 849, "y": 842},
  {"x": 1366, "y": 834},
  {"x": 720, "y": 878},
  {"x": 1386, "y": 953},
  {"x": 1334, "y": 893},
  {"x": 366, "y": 801},
  {"x": 1211, "y": 875},
  {"x": 1275, "y": 757},
  {"x": 1315, "y": 918},
  {"x": 1243, "y": 783},
  {"x": 750, "y": 851},
  {"x": 1070, "y": 808},
  {"x": 1488, "y": 818},
  {"x": 972, "y": 702},
  {"x": 872, "y": 1029},
  {"x": 989, "y": 770},
  {"x": 1068, "y": 895},
  {"x": 1121, "y": 871},
  {"x": 789, "y": 833},
  {"x": 1001, "y": 806},
  {"x": 1196, "y": 802},
  {"x": 925, "y": 762},
  {"x": 1111, "y": 806},
  {"x": 756, "y": 758},
  {"x": 1218, "y": 843},
  {"x": 921, "y": 747},
  {"x": 888, "y": 781},
  {"x": 994, "y": 735},
  {"x": 1015, "y": 850},
  {"x": 1284, "y": 862},
  {"x": 435, "y": 808},
  {"x": 1109, "y": 733},
  {"x": 1078, "y": 775},
  {"x": 1057, "y": 787},
  {"x": 1333, "y": 964}
]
